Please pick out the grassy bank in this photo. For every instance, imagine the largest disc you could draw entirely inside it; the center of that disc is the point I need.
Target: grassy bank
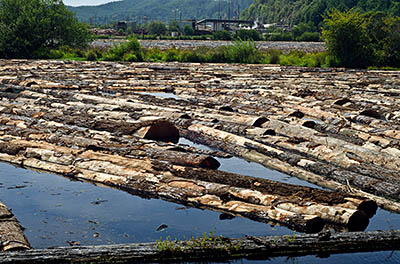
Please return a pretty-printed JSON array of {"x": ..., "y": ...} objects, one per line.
[{"x": 238, "y": 52}]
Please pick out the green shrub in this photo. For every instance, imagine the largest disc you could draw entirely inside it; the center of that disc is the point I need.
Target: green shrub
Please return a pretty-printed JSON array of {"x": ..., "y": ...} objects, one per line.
[
  {"x": 172, "y": 54},
  {"x": 222, "y": 35},
  {"x": 309, "y": 36},
  {"x": 273, "y": 57},
  {"x": 154, "y": 55},
  {"x": 346, "y": 38},
  {"x": 123, "y": 51},
  {"x": 30, "y": 27},
  {"x": 245, "y": 34},
  {"x": 91, "y": 56},
  {"x": 280, "y": 36},
  {"x": 243, "y": 52}
]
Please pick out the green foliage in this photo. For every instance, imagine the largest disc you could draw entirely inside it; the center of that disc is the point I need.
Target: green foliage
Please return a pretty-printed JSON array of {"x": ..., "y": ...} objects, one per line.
[
  {"x": 244, "y": 52},
  {"x": 280, "y": 36},
  {"x": 188, "y": 30},
  {"x": 244, "y": 34},
  {"x": 173, "y": 26},
  {"x": 360, "y": 40},
  {"x": 157, "y": 28},
  {"x": 172, "y": 54},
  {"x": 294, "y": 12},
  {"x": 346, "y": 38},
  {"x": 154, "y": 55},
  {"x": 206, "y": 241},
  {"x": 30, "y": 27},
  {"x": 309, "y": 36},
  {"x": 222, "y": 35},
  {"x": 129, "y": 51}
]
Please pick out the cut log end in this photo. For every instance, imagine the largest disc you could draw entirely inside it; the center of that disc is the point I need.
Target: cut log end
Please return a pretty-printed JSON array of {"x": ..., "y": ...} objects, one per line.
[
  {"x": 369, "y": 207},
  {"x": 314, "y": 225},
  {"x": 260, "y": 121},
  {"x": 160, "y": 131},
  {"x": 358, "y": 222},
  {"x": 209, "y": 163}
]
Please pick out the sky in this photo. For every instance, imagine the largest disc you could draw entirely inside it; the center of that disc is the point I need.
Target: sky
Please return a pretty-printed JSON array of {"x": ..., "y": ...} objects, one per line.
[{"x": 86, "y": 2}]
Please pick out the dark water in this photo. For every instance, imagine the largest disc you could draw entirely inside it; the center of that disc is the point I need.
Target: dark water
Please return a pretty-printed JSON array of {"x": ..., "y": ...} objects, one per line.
[{"x": 55, "y": 210}]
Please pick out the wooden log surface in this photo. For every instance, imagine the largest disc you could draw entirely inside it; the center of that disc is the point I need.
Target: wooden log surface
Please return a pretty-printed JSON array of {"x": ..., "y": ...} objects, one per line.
[
  {"x": 223, "y": 249},
  {"x": 11, "y": 233}
]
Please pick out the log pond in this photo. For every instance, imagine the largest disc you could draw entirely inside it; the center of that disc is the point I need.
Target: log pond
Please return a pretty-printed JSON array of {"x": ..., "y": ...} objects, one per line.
[{"x": 331, "y": 138}]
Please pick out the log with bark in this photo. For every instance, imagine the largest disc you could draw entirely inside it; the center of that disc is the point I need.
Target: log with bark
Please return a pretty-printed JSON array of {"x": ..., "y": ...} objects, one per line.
[
  {"x": 12, "y": 236},
  {"x": 220, "y": 249}
]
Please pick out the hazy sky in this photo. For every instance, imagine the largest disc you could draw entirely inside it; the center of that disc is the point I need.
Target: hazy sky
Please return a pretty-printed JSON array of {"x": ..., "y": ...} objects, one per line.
[{"x": 86, "y": 2}]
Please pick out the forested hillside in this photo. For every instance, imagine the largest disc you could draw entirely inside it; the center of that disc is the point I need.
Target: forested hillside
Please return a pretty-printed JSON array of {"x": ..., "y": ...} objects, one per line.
[
  {"x": 163, "y": 10},
  {"x": 292, "y": 12}
]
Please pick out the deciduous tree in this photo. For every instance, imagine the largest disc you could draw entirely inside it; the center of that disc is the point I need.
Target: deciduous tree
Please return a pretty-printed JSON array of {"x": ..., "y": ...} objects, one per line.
[{"x": 32, "y": 27}]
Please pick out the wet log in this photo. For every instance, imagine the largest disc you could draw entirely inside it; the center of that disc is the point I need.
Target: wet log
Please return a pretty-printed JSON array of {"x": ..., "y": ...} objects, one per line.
[
  {"x": 12, "y": 236},
  {"x": 223, "y": 249}
]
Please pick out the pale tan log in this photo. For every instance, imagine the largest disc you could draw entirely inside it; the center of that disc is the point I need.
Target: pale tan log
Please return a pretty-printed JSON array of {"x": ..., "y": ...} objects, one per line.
[{"x": 342, "y": 147}]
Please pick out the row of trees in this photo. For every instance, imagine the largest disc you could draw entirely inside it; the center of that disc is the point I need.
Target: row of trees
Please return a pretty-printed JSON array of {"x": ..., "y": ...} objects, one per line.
[
  {"x": 31, "y": 28},
  {"x": 293, "y": 12},
  {"x": 360, "y": 40}
]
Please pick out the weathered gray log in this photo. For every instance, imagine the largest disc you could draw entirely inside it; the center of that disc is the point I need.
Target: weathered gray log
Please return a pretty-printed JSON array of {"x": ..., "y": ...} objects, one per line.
[
  {"x": 223, "y": 249},
  {"x": 11, "y": 233}
]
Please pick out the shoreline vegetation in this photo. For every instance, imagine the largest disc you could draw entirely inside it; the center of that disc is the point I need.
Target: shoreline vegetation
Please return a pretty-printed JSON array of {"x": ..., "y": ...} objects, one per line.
[{"x": 239, "y": 51}]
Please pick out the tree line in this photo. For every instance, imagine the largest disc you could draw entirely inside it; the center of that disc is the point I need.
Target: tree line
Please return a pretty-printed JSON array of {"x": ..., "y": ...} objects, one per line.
[{"x": 46, "y": 29}]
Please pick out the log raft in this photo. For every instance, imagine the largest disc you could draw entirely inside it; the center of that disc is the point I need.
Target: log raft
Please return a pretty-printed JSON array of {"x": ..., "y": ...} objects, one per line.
[
  {"x": 56, "y": 116},
  {"x": 223, "y": 249}
]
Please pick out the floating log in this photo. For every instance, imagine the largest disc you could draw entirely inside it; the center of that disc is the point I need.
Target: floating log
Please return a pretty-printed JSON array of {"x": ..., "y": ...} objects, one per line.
[
  {"x": 12, "y": 236},
  {"x": 223, "y": 249}
]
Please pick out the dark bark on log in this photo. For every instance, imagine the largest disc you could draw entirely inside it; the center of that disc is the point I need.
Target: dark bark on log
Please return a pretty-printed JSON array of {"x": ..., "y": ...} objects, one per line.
[{"x": 260, "y": 248}]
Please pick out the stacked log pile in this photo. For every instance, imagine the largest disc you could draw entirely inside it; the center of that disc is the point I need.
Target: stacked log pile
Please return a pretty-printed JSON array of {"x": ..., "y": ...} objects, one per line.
[{"x": 336, "y": 128}]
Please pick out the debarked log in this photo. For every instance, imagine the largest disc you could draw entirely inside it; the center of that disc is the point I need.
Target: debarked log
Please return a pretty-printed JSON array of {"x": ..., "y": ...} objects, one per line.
[
  {"x": 256, "y": 198},
  {"x": 11, "y": 232},
  {"x": 223, "y": 249}
]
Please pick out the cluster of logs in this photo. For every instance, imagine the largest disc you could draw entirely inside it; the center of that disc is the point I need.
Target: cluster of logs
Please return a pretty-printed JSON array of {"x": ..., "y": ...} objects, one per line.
[{"x": 88, "y": 120}]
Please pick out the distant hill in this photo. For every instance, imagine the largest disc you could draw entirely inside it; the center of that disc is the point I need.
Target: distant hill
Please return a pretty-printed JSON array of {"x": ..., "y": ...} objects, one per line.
[
  {"x": 163, "y": 10},
  {"x": 291, "y": 12}
]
